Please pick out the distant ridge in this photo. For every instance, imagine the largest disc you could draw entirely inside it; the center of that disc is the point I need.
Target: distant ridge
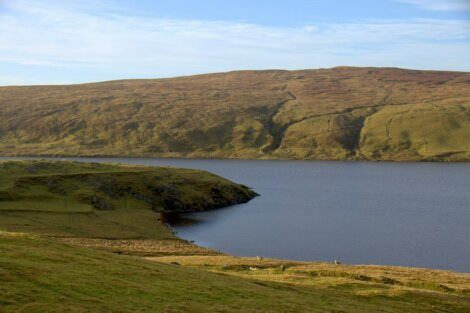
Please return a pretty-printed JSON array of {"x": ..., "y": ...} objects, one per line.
[{"x": 344, "y": 113}]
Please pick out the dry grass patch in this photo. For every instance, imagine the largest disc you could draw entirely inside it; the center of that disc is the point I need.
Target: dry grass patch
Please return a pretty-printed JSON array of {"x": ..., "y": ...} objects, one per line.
[
  {"x": 143, "y": 247},
  {"x": 327, "y": 274}
]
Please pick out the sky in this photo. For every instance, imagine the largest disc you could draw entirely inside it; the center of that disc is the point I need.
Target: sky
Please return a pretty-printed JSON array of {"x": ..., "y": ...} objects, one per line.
[{"x": 75, "y": 41}]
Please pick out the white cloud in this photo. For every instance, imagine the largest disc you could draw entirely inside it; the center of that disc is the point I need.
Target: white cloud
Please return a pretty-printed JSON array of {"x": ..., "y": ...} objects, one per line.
[
  {"x": 74, "y": 37},
  {"x": 440, "y": 5}
]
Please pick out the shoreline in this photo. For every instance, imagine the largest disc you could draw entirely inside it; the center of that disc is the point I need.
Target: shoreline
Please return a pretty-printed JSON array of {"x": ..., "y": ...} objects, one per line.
[
  {"x": 208, "y": 158},
  {"x": 217, "y": 252}
]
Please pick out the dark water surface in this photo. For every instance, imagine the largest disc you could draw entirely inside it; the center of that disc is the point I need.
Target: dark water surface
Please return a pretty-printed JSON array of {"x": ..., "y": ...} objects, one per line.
[{"x": 411, "y": 214}]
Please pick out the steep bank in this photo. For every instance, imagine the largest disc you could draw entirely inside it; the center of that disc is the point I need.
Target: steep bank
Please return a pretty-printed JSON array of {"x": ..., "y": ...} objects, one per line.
[{"x": 341, "y": 113}]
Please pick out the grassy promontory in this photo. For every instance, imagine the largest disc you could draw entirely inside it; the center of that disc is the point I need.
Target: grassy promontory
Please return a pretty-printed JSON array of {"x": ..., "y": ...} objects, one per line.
[
  {"x": 105, "y": 200},
  {"x": 78, "y": 237}
]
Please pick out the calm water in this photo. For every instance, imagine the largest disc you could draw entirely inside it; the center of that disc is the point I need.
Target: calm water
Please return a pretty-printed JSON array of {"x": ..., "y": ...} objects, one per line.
[{"x": 412, "y": 214}]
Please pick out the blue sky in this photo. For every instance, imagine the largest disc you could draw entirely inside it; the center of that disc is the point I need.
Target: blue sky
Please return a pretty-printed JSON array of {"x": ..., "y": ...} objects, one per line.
[{"x": 56, "y": 42}]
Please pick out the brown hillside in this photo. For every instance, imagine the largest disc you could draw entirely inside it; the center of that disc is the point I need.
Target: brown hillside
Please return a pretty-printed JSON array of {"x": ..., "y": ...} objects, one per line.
[{"x": 340, "y": 113}]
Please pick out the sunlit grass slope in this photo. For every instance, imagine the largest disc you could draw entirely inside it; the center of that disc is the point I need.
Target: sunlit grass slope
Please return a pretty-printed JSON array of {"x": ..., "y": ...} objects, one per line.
[
  {"x": 339, "y": 113},
  {"x": 43, "y": 275}
]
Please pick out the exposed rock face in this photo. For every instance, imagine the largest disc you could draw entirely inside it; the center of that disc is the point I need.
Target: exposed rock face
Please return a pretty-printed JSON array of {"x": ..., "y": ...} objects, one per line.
[{"x": 100, "y": 203}]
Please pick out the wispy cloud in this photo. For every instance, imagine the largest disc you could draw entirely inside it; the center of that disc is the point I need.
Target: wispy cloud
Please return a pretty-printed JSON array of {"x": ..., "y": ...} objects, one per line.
[
  {"x": 60, "y": 36},
  {"x": 440, "y": 5}
]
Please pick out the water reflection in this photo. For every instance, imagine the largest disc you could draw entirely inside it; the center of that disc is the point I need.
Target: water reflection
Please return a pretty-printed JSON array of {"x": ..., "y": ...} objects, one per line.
[{"x": 173, "y": 219}]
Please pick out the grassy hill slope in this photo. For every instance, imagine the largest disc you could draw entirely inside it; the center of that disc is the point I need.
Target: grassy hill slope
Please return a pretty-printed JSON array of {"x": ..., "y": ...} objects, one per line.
[
  {"x": 43, "y": 275},
  {"x": 340, "y": 113}
]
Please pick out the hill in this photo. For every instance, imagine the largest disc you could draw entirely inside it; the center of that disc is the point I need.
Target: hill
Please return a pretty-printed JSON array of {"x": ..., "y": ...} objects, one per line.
[{"x": 339, "y": 113}]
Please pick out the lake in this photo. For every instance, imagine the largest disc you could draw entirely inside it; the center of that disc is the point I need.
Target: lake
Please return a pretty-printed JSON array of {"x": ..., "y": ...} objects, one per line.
[{"x": 410, "y": 214}]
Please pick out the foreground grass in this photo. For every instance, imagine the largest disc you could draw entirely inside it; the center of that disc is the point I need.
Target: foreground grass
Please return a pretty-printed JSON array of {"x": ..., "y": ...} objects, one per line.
[
  {"x": 43, "y": 275},
  {"x": 339, "y": 113}
]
